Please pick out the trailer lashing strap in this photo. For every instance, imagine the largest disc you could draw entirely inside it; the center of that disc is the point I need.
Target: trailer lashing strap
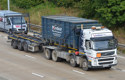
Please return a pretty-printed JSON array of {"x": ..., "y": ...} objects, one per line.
[
  {"x": 65, "y": 46},
  {"x": 27, "y": 39},
  {"x": 31, "y": 37},
  {"x": 13, "y": 38}
]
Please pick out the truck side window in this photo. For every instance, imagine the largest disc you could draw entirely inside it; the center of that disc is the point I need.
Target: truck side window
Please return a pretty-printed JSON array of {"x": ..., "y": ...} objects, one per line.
[
  {"x": 8, "y": 21},
  {"x": 87, "y": 44}
]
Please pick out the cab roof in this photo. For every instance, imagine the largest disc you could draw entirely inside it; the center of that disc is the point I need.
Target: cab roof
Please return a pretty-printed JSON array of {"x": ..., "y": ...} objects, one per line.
[{"x": 6, "y": 13}]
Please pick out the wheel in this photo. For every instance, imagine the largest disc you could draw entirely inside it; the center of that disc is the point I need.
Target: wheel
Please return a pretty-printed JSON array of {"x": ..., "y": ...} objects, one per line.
[
  {"x": 14, "y": 44},
  {"x": 25, "y": 32},
  {"x": 55, "y": 57},
  {"x": 48, "y": 54},
  {"x": 108, "y": 67},
  {"x": 73, "y": 61},
  {"x": 85, "y": 65},
  {"x": 10, "y": 32},
  {"x": 25, "y": 47},
  {"x": 41, "y": 48},
  {"x": 20, "y": 47}
]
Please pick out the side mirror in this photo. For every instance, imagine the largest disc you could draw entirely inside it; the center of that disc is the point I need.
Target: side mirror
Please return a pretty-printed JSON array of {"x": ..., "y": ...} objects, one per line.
[
  {"x": 90, "y": 45},
  {"x": 116, "y": 42}
]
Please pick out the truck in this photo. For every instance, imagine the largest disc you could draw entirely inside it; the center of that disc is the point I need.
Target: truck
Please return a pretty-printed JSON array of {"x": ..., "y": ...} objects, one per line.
[
  {"x": 81, "y": 42},
  {"x": 12, "y": 20}
]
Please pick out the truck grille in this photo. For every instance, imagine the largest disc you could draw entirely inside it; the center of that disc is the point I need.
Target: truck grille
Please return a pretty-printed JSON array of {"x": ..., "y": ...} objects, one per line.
[
  {"x": 21, "y": 29},
  {"x": 107, "y": 53},
  {"x": 105, "y": 60},
  {"x": 105, "y": 63}
]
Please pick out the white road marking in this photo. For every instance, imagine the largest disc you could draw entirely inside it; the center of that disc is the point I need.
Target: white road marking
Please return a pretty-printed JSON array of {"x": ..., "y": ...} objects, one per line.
[
  {"x": 30, "y": 56},
  {"x": 114, "y": 68},
  {"x": 78, "y": 72},
  {"x": 123, "y": 70},
  {"x": 37, "y": 75},
  {"x": 5, "y": 37},
  {"x": 121, "y": 57}
]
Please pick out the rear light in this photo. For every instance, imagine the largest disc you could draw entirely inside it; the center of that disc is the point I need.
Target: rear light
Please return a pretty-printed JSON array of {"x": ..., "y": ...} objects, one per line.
[
  {"x": 76, "y": 53},
  {"x": 1, "y": 19},
  {"x": 98, "y": 55}
]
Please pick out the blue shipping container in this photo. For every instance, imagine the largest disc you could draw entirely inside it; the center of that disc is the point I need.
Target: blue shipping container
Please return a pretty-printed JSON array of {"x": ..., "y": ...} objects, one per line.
[{"x": 61, "y": 30}]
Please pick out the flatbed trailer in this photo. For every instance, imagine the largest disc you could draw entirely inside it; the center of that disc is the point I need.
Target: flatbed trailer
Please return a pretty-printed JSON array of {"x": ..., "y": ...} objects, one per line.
[{"x": 25, "y": 42}]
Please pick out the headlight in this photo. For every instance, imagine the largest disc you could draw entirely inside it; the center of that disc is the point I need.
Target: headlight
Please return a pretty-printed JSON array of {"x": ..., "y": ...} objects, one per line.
[{"x": 95, "y": 62}]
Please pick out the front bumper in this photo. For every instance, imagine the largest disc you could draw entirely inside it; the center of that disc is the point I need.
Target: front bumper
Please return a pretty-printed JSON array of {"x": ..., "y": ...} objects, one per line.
[
  {"x": 17, "y": 31},
  {"x": 103, "y": 62},
  {"x": 110, "y": 65}
]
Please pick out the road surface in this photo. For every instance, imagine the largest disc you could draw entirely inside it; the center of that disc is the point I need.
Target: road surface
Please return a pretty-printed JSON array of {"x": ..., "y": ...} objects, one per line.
[{"x": 20, "y": 65}]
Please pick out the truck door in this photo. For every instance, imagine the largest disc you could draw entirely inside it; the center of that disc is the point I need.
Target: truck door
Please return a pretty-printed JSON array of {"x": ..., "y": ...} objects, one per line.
[
  {"x": 8, "y": 24},
  {"x": 88, "y": 46},
  {"x": 1, "y": 23}
]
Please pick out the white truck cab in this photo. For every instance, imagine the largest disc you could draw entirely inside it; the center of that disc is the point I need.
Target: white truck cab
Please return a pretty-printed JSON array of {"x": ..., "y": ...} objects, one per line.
[
  {"x": 12, "y": 21},
  {"x": 100, "y": 47}
]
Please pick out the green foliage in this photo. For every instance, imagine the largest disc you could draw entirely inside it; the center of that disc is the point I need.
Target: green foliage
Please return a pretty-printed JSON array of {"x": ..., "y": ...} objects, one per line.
[
  {"x": 112, "y": 13},
  {"x": 27, "y": 3},
  {"x": 3, "y": 4},
  {"x": 65, "y": 3},
  {"x": 87, "y": 8},
  {"x": 109, "y": 12}
]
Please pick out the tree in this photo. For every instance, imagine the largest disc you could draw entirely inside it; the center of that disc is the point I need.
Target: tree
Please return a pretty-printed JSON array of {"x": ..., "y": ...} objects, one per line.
[
  {"x": 27, "y": 3},
  {"x": 112, "y": 13}
]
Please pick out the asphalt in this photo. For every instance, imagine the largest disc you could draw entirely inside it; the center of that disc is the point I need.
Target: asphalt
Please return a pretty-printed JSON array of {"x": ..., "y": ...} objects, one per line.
[{"x": 20, "y": 65}]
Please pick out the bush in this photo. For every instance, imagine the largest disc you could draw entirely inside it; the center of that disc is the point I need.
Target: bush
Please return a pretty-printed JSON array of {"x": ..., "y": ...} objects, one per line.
[
  {"x": 3, "y": 4},
  {"x": 112, "y": 13},
  {"x": 109, "y": 12},
  {"x": 64, "y": 3},
  {"x": 27, "y": 3}
]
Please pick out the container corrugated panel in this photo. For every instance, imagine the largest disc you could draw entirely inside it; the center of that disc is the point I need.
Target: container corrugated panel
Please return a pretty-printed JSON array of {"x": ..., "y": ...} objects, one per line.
[{"x": 60, "y": 29}]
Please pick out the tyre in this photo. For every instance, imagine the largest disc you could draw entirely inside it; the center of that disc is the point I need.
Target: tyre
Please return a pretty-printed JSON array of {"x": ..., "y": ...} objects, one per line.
[
  {"x": 10, "y": 32},
  {"x": 14, "y": 44},
  {"x": 25, "y": 47},
  {"x": 55, "y": 57},
  {"x": 48, "y": 54},
  {"x": 85, "y": 65},
  {"x": 73, "y": 61},
  {"x": 25, "y": 32},
  {"x": 41, "y": 48},
  {"x": 20, "y": 47}
]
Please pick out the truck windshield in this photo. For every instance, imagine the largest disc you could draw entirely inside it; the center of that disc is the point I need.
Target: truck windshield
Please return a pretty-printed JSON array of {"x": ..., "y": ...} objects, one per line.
[
  {"x": 17, "y": 20},
  {"x": 104, "y": 45}
]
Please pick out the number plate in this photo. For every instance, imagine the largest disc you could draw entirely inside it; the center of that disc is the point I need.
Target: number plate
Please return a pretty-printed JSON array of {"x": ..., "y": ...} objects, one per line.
[{"x": 105, "y": 65}]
